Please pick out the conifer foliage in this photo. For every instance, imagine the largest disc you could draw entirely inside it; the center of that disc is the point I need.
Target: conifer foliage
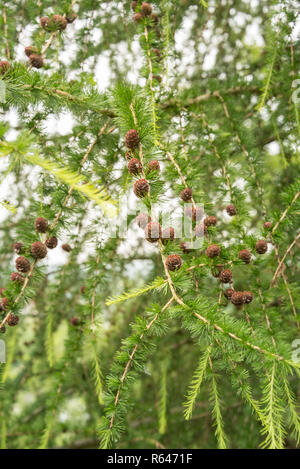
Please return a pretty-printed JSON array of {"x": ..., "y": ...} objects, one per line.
[{"x": 158, "y": 338}]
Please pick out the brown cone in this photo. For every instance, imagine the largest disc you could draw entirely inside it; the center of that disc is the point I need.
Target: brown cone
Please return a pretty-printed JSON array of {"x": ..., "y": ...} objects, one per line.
[
  {"x": 173, "y": 262},
  {"x": 153, "y": 232},
  {"x": 141, "y": 188},
  {"x": 261, "y": 246},
  {"x": 38, "y": 250},
  {"x": 22, "y": 264},
  {"x": 132, "y": 139},
  {"x": 212, "y": 251}
]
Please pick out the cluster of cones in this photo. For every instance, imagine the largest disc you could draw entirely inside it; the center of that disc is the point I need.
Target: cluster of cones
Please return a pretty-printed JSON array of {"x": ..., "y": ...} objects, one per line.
[
  {"x": 154, "y": 232},
  {"x": 38, "y": 250}
]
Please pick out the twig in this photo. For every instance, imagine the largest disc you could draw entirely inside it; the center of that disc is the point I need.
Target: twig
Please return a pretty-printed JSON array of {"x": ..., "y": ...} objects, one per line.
[
  {"x": 284, "y": 213},
  {"x": 27, "y": 278},
  {"x": 85, "y": 157},
  {"x": 6, "y": 33},
  {"x": 277, "y": 272},
  {"x": 127, "y": 366}
]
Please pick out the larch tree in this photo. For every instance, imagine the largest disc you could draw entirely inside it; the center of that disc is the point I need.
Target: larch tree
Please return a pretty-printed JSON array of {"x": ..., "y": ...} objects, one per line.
[{"x": 150, "y": 207}]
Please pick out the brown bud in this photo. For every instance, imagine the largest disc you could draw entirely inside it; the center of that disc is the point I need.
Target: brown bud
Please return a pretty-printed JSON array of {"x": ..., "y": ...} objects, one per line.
[
  {"x": 173, "y": 262},
  {"x": 141, "y": 188},
  {"x": 66, "y": 247},
  {"x": 134, "y": 166},
  {"x": 18, "y": 248},
  {"x": 228, "y": 293},
  {"x": 168, "y": 234},
  {"x": 153, "y": 166},
  {"x": 248, "y": 296},
  {"x": 153, "y": 232},
  {"x": 36, "y": 60},
  {"x": 4, "y": 66},
  {"x": 51, "y": 243},
  {"x": 12, "y": 319},
  {"x": 22, "y": 264},
  {"x": 186, "y": 194},
  {"x": 245, "y": 256},
  {"x": 38, "y": 250},
  {"x": 142, "y": 220},
  {"x": 225, "y": 276},
  {"x": 41, "y": 225},
  {"x": 146, "y": 9},
  {"x": 29, "y": 50},
  {"x": 261, "y": 246},
  {"x": 231, "y": 210},
  {"x": 212, "y": 251},
  {"x": 210, "y": 220},
  {"x": 16, "y": 277},
  {"x": 237, "y": 298}
]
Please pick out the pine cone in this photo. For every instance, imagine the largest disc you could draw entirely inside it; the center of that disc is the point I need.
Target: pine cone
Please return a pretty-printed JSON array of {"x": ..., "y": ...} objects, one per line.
[
  {"x": 38, "y": 250},
  {"x": 71, "y": 17},
  {"x": 261, "y": 246},
  {"x": 210, "y": 220},
  {"x": 153, "y": 232},
  {"x": 41, "y": 225},
  {"x": 75, "y": 321},
  {"x": 51, "y": 243},
  {"x": 22, "y": 264},
  {"x": 267, "y": 225},
  {"x": 245, "y": 256},
  {"x": 231, "y": 210},
  {"x": 134, "y": 166},
  {"x": 248, "y": 296},
  {"x": 153, "y": 166},
  {"x": 142, "y": 220},
  {"x": 137, "y": 17},
  {"x": 146, "y": 9},
  {"x": 59, "y": 22},
  {"x": 29, "y": 50},
  {"x": 173, "y": 262},
  {"x": 3, "y": 329},
  {"x": 82, "y": 289},
  {"x": 12, "y": 319},
  {"x": 16, "y": 277},
  {"x": 4, "y": 303},
  {"x": 200, "y": 230},
  {"x": 168, "y": 234},
  {"x": 157, "y": 78},
  {"x": 186, "y": 194},
  {"x": 237, "y": 298},
  {"x": 134, "y": 4},
  {"x": 228, "y": 293},
  {"x": 45, "y": 22},
  {"x": 36, "y": 61},
  {"x": 212, "y": 251},
  {"x": 132, "y": 139},
  {"x": 66, "y": 247},
  {"x": 225, "y": 276},
  {"x": 184, "y": 248},
  {"x": 18, "y": 248},
  {"x": 4, "y": 66},
  {"x": 141, "y": 188}
]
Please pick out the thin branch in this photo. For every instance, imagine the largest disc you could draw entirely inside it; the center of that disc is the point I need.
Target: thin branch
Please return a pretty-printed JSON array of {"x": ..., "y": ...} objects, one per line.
[
  {"x": 277, "y": 272},
  {"x": 284, "y": 213},
  {"x": 131, "y": 357}
]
